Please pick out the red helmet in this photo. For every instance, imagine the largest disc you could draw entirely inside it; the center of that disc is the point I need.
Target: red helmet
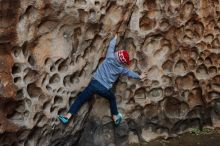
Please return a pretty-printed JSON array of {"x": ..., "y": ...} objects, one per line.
[{"x": 123, "y": 56}]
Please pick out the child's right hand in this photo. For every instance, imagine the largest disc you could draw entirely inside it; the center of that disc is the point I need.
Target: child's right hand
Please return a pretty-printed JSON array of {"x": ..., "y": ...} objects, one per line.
[{"x": 116, "y": 36}]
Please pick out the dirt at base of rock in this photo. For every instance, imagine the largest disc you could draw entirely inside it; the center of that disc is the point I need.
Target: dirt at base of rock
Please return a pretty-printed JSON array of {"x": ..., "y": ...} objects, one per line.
[{"x": 211, "y": 138}]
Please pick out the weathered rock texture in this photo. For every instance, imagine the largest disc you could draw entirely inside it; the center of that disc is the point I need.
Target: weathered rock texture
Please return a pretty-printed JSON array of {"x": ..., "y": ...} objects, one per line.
[{"x": 50, "y": 48}]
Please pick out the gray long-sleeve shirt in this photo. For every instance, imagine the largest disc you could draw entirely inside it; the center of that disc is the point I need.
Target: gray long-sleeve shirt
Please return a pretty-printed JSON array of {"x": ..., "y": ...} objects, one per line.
[{"x": 110, "y": 69}]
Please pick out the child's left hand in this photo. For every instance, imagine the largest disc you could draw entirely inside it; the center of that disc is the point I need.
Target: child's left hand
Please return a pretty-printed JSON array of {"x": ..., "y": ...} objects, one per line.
[{"x": 143, "y": 75}]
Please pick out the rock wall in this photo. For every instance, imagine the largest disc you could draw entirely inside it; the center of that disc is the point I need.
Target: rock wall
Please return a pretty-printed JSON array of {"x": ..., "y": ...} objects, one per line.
[{"x": 50, "y": 48}]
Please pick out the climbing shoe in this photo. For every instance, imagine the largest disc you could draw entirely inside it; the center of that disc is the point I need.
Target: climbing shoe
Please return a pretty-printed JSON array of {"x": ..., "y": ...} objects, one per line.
[
  {"x": 118, "y": 119},
  {"x": 63, "y": 119}
]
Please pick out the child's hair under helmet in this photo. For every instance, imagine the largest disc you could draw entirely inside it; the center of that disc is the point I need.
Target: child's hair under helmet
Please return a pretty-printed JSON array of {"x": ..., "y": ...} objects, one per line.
[{"x": 123, "y": 56}]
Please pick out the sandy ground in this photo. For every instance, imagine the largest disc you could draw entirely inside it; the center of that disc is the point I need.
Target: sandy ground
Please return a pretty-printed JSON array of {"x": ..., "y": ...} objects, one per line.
[{"x": 195, "y": 138}]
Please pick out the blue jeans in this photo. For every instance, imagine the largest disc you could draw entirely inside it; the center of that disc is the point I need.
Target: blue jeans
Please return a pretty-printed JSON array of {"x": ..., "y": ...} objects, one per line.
[{"x": 94, "y": 87}]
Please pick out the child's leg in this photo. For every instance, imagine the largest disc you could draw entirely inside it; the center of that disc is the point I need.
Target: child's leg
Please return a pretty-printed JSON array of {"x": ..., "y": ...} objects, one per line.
[
  {"x": 117, "y": 117},
  {"x": 108, "y": 94},
  {"x": 84, "y": 96},
  {"x": 112, "y": 100}
]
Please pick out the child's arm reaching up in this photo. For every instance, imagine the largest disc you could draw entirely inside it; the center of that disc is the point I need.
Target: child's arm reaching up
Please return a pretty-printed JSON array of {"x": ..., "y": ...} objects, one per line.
[{"x": 111, "y": 47}]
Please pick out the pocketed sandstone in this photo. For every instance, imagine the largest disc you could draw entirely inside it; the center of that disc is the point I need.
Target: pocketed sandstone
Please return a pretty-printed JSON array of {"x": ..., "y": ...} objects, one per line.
[{"x": 49, "y": 49}]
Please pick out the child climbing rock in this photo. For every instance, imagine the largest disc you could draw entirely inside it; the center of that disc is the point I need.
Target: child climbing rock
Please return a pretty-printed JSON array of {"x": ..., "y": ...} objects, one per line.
[{"x": 102, "y": 81}]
